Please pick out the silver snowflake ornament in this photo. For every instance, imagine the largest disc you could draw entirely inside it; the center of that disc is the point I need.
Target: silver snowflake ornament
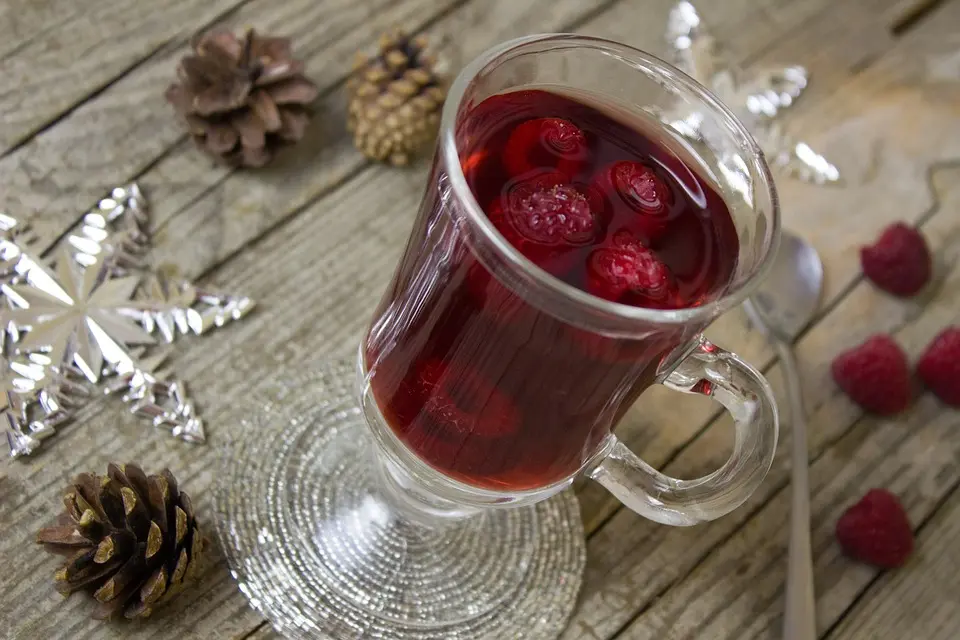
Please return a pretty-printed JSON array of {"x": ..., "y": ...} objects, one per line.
[
  {"x": 89, "y": 321},
  {"x": 150, "y": 395},
  {"x": 34, "y": 401},
  {"x": 180, "y": 308},
  {"x": 115, "y": 231},
  {"x": 757, "y": 98},
  {"x": 80, "y": 316}
]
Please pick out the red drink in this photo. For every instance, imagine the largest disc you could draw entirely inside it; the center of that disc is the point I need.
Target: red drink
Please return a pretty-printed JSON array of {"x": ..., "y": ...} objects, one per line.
[{"x": 488, "y": 388}]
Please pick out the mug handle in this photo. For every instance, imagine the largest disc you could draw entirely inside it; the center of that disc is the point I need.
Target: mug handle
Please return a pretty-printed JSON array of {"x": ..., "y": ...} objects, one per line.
[{"x": 710, "y": 371}]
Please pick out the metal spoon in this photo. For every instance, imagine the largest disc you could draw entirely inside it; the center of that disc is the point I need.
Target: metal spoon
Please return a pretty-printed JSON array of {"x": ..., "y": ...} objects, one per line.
[{"x": 782, "y": 306}]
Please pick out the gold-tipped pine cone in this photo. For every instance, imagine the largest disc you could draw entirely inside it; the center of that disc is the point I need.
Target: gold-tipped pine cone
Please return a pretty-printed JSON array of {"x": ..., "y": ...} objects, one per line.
[
  {"x": 132, "y": 540},
  {"x": 395, "y": 99}
]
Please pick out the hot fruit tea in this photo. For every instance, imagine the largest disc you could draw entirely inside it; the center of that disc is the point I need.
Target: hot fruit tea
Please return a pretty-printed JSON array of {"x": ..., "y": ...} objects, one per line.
[{"x": 489, "y": 389}]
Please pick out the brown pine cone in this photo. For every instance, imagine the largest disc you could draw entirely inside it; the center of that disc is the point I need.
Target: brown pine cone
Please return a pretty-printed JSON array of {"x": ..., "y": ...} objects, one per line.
[
  {"x": 132, "y": 540},
  {"x": 395, "y": 100},
  {"x": 242, "y": 100}
]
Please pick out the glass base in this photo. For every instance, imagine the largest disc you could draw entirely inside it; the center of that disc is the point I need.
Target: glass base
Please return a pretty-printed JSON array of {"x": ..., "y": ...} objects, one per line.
[{"x": 319, "y": 552}]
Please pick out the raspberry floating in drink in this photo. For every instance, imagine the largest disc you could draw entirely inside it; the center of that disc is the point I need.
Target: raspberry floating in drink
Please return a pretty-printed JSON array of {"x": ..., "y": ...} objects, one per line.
[
  {"x": 464, "y": 402},
  {"x": 637, "y": 189},
  {"x": 544, "y": 216},
  {"x": 497, "y": 391},
  {"x": 627, "y": 271},
  {"x": 541, "y": 143}
]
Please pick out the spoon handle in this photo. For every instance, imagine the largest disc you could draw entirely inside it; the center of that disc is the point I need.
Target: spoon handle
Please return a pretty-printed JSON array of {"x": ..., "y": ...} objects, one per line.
[{"x": 799, "y": 622}]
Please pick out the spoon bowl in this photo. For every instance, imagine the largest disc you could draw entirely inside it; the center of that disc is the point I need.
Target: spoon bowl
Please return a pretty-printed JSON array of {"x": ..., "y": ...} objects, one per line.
[{"x": 788, "y": 298}]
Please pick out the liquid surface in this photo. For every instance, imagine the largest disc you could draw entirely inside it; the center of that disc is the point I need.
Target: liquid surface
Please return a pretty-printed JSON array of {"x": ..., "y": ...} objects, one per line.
[{"x": 493, "y": 391}]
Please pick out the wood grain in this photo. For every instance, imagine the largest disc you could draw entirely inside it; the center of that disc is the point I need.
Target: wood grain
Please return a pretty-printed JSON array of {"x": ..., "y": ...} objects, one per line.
[
  {"x": 22, "y": 21},
  {"x": 633, "y": 563},
  {"x": 46, "y": 76},
  {"x": 735, "y": 590},
  {"x": 116, "y": 136},
  {"x": 832, "y": 45},
  {"x": 263, "y": 632},
  {"x": 919, "y": 601},
  {"x": 315, "y": 238}
]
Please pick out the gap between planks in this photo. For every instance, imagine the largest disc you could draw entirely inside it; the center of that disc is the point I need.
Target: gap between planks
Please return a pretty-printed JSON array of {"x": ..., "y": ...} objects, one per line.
[
  {"x": 830, "y": 303},
  {"x": 918, "y": 533},
  {"x": 94, "y": 92},
  {"x": 326, "y": 91},
  {"x": 351, "y": 174},
  {"x": 826, "y": 310}
]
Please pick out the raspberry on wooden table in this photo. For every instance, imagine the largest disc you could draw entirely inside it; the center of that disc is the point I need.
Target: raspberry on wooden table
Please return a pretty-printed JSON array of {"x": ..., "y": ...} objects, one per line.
[
  {"x": 939, "y": 366},
  {"x": 876, "y": 530},
  {"x": 875, "y": 375},
  {"x": 899, "y": 262}
]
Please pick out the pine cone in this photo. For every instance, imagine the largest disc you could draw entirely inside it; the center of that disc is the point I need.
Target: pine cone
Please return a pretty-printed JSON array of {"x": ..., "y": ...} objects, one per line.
[
  {"x": 395, "y": 100},
  {"x": 242, "y": 100},
  {"x": 132, "y": 540}
]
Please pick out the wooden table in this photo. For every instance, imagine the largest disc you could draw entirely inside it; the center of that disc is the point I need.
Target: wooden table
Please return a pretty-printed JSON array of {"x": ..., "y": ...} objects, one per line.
[{"x": 315, "y": 237}]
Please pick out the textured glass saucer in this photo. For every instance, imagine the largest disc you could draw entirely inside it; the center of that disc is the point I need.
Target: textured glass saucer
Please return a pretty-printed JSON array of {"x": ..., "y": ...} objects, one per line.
[{"x": 316, "y": 551}]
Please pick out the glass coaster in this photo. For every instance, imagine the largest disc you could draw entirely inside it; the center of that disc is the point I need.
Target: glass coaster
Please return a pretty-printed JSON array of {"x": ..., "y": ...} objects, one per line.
[{"x": 316, "y": 551}]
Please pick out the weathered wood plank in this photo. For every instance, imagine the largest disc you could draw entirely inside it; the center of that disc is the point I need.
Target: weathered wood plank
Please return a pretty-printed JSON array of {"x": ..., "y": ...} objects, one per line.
[
  {"x": 264, "y": 632},
  {"x": 346, "y": 226},
  {"x": 631, "y": 562},
  {"x": 832, "y": 46},
  {"x": 326, "y": 157},
  {"x": 635, "y": 566},
  {"x": 22, "y": 21},
  {"x": 737, "y": 591},
  {"x": 46, "y": 76},
  {"x": 920, "y": 600},
  {"x": 116, "y": 136},
  {"x": 331, "y": 262}
]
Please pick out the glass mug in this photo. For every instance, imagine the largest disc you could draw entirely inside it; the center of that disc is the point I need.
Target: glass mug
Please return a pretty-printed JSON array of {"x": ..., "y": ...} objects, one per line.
[
  {"x": 488, "y": 383},
  {"x": 485, "y": 384}
]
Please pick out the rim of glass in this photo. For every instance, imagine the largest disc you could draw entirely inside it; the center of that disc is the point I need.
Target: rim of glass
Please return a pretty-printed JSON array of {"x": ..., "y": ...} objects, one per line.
[{"x": 626, "y": 55}]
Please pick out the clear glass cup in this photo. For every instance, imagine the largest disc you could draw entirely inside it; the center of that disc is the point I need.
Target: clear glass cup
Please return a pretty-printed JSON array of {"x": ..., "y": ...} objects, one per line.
[
  {"x": 440, "y": 523},
  {"x": 560, "y": 366}
]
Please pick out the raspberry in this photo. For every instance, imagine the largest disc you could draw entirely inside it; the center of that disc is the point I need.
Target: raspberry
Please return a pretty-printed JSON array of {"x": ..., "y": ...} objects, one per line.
[
  {"x": 875, "y": 375},
  {"x": 646, "y": 197},
  {"x": 876, "y": 530},
  {"x": 899, "y": 262},
  {"x": 627, "y": 271},
  {"x": 544, "y": 217},
  {"x": 939, "y": 366},
  {"x": 464, "y": 403},
  {"x": 552, "y": 143}
]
